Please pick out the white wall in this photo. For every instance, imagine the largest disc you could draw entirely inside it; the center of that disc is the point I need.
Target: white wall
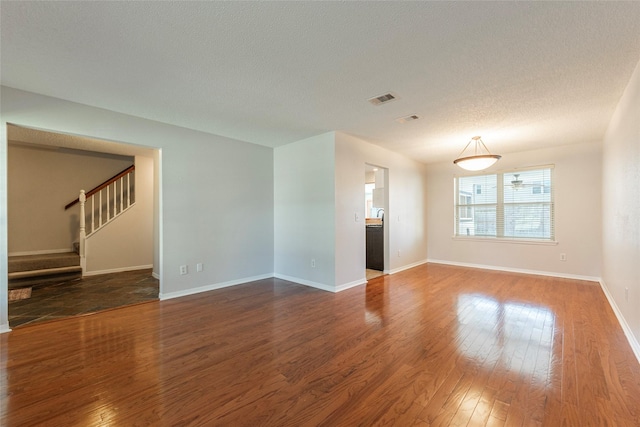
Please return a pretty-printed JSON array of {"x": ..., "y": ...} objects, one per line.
[
  {"x": 40, "y": 183},
  {"x": 127, "y": 242},
  {"x": 304, "y": 223},
  {"x": 4, "y": 319},
  {"x": 405, "y": 220},
  {"x": 577, "y": 176},
  {"x": 157, "y": 238},
  {"x": 621, "y": 206},
  {"x": 319, "y": 188},
  {"x": 216, "y": 200}
]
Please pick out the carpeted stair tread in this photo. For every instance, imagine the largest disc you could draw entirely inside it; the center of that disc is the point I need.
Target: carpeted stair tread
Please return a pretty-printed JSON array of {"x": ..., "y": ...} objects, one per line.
[
  {"x": 44, "y": 281},
  {"x": 44, "y": 272},
  {"x": 42, "y": 262}
]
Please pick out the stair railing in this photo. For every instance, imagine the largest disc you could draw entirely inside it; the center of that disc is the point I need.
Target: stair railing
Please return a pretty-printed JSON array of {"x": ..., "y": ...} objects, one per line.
[{"x": 106, "y": 202}]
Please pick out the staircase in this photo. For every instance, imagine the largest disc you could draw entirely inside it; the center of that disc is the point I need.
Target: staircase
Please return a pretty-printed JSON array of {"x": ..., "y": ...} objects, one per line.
[
  {"x": 103, "y": 204},
  {"x": 42, "y": 270},
  {"x": 98, "y": 207}
]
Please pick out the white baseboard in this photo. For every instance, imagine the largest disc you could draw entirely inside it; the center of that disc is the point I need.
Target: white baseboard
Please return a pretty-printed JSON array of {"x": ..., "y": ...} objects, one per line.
[
  {"x": 516, "y": 270},
  {"x": 4, "y": 328},
  {"x": 322, "y": 286},
  {"x": 155, "y": 275},
  {"x": 297, "y": 280},
  {"x": 43, "y": 252},
  {"x": 206, "y": 288},
  {"x": 633, "y": 342},
  {"x": 345, "y": 286},
  {"x": 305, "y": 282},
  {"x": 406, "y": 267},
  {"x": 116, "y": 270}
]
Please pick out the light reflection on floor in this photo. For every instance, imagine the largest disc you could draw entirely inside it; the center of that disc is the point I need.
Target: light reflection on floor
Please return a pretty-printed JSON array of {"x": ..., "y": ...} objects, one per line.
[
  {"x": 377, "y": 299},
  {"x": 514, "y": 336}
]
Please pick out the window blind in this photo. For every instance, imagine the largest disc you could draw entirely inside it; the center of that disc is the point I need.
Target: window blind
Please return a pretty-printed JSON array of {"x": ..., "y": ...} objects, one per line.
[{"x": 512, "y": 205}]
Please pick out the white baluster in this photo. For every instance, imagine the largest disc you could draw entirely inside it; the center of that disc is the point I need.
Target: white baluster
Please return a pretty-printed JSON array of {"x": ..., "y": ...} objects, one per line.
[
  {"x": 111, "y": 207},
  {"x": 93, "y": 212},
  {"x": 83, "y": 234},
  {"x": 121, "y": 193}
]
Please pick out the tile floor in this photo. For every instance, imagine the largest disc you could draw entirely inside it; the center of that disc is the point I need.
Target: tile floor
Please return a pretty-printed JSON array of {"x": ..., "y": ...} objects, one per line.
[
  {"x": 372, "y": 274},
  {"x": 82, "y": 296}
]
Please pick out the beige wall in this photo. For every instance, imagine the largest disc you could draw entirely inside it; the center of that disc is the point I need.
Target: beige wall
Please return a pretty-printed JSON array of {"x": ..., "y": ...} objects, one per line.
[
  {"x": 127, "y": 242},
  {"x": 577, "y": 177},
  {"x": 621, "y": 208},
  {"x": 41, "y": 181}
]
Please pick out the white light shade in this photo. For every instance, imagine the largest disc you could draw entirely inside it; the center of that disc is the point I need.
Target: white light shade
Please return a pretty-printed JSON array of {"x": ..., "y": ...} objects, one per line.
[{"x": 477, "y": 163}]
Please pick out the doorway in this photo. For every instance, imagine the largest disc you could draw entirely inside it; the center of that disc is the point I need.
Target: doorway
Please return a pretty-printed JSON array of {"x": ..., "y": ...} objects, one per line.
[
  {"x": 72, "y": 162},
  {"x": 376, "y": 232}
]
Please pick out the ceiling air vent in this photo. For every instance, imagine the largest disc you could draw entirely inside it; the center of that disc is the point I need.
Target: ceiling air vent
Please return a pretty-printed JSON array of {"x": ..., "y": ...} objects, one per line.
[
  {"x": 407, "y": 118},
  {"x": 382, "y": 99}
]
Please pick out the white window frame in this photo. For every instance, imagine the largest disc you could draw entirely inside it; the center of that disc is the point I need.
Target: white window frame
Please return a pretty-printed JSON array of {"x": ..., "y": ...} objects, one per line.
[{"x": 500, "y": 208}]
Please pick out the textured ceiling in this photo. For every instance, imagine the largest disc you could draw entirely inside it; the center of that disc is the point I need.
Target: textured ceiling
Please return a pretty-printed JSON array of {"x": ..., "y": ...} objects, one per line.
[{"x": 521, "y": 74}]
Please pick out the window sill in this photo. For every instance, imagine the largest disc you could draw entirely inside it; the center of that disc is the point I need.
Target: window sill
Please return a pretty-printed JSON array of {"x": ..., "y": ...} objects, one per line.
[{"x": 502, "y": 240}]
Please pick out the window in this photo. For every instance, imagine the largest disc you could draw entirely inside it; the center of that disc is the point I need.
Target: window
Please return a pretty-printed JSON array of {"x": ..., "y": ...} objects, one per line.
[{"x": 511, "y": 205}]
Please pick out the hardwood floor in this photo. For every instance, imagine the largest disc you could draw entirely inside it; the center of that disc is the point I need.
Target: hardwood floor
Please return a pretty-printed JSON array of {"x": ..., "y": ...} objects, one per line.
[{"x": 434, "y": 345}]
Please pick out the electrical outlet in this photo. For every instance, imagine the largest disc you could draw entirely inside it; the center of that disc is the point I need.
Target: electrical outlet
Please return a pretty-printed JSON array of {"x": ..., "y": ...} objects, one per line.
[
  {"x": 357, "y": 217},
  {"x": 563, "y": 257},
  {"x": 199, "y": 267},
  {"x": 398, "y": 252},
  {"x": 183, "y": 270},
  {"x": 626, "y": 294},
  {"x": 313, "y": 263}
]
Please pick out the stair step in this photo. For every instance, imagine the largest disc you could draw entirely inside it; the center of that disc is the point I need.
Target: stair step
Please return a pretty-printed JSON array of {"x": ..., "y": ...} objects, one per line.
[
  {"x": 42, "y": 278},
  {"x": 44, "y": 272},
  {"x": 42, "y": 262}
]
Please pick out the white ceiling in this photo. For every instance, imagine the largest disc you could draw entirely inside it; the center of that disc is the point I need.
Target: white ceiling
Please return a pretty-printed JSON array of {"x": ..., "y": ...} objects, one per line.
[
  {"x": 521, "y": 74},
  {"x": 49, "y": 140}
]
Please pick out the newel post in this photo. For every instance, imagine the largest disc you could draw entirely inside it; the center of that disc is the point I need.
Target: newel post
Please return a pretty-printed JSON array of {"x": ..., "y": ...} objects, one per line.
[{"x": 83, "y": 233}]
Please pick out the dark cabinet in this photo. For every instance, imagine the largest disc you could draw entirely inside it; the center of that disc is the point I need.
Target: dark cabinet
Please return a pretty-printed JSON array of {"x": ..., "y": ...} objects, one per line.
[{"x": 375, "y": 248}]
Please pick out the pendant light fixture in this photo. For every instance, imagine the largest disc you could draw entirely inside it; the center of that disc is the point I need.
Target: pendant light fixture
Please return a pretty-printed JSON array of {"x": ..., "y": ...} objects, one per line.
[{"x": 481, "y": 158}]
